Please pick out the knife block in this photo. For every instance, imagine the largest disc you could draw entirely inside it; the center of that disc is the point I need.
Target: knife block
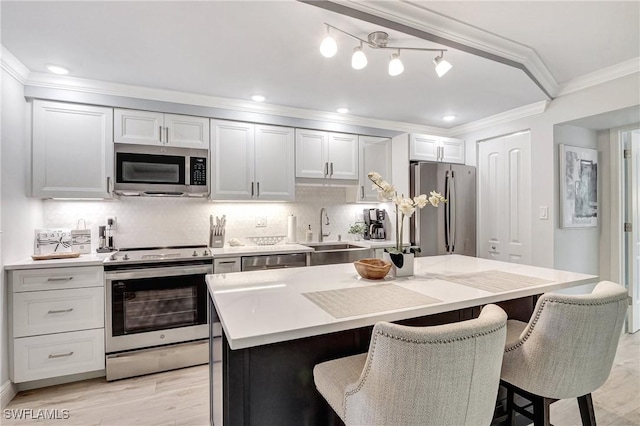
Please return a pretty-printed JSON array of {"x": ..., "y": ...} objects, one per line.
[{"x": 216, "y": 241}]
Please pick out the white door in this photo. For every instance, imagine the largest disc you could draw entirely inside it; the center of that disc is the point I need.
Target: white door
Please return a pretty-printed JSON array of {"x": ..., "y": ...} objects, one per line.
[
  {"x": 138, "y": 127},
  {"x": 504, "y": 198},
  {"x": 72, "y": 150},
  {"x": 375, "y": 156},
  {"x": 232, "y": 160},
  {"x": 186, "y": 131},
  {"x": 275, "y": 163},
  {"x": 343, "y": 156},
  {"x": 632, "y": 179},
  {"x": 312, "y": 152}
]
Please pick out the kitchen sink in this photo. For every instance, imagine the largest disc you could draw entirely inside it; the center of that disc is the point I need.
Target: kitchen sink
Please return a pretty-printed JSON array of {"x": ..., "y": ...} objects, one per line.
[{"x": 331, "y": 253}]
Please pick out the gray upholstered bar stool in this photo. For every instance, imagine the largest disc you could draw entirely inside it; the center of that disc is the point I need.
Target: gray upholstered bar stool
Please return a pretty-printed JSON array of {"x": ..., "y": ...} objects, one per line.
[
  {"x": 565, "y": 351},
  {"x": 441, "y": 375}
]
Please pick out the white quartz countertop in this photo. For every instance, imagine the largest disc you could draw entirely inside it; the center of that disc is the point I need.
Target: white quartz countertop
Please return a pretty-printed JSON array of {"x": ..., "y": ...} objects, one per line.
[
  {"x": 91, "y": 259},
  {"x": 263, "y": 307}
]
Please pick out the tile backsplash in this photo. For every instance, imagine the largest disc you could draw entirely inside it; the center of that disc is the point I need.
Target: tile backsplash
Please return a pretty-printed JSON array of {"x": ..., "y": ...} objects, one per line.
[{"x": 151, "y": 222}]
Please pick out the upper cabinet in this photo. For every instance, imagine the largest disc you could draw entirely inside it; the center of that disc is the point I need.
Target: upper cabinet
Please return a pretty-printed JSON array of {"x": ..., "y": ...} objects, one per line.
[
  {"x": 374, "y": 156},
  {"x": 72, "y": 150},
  {"x": 252, "y": 162},
  {"x": 326, "y": 155},
  {"x": 156, "y": 128},
  {"x": 436, "y": 148}
]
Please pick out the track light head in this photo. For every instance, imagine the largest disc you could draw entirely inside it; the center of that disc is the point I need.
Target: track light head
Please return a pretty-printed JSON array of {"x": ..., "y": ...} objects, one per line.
[
  {"x": 442, "y": 66},
  {"x": 358, "y": 59},
  {"x": 328, "y": 47},
  {"x": 395, "y": 65}
]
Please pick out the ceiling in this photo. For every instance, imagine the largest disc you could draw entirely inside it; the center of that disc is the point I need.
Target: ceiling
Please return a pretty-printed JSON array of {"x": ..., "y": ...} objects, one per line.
[{"x": 234, "y": 49}]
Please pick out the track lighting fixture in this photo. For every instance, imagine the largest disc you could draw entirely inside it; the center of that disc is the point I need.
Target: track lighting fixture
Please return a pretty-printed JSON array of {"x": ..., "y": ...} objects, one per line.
[
  {"x": 358, "y": 59},
  {"x": 328, "y": 48},
  {"x": 442, "y": 66},
  {"x": 379, "y": 40}
]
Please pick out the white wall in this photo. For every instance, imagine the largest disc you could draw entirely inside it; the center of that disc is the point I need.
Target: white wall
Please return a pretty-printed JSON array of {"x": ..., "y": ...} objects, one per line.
[
  {"x": 613, "y": 95},
  {"x": 152, "y": 222},
  {"x": 20, "y": 214},
  {"x": 575, "y": 249}
]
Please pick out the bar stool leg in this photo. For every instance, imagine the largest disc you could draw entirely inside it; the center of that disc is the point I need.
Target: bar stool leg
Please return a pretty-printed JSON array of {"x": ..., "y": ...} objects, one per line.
[{"x": 587, "y": 413}]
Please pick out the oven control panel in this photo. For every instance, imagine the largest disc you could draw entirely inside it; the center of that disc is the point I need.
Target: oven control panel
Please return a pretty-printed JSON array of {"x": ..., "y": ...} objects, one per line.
[{"x": 198, "y": 171}]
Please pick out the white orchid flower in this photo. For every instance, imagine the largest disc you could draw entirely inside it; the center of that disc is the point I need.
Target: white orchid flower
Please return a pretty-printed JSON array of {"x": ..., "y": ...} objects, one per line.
[{"x": 420, "y": 201}]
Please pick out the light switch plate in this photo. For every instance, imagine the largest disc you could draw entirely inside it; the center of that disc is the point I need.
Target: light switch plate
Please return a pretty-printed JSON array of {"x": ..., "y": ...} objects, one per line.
[
  {"x": 261, "y": 221},
  {"x": 544, "y": 212}
]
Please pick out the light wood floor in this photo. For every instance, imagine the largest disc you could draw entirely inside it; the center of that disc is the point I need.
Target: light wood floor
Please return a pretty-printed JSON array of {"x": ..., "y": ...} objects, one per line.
[{"x": 181, "y": 397}]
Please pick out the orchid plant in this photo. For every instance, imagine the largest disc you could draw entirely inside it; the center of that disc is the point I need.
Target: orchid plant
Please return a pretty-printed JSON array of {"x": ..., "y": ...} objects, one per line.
[{"x": 405, "y": 207}]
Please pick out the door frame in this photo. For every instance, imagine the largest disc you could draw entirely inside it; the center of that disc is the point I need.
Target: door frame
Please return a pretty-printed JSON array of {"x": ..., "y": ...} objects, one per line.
[{"x": 616, "y": 244}]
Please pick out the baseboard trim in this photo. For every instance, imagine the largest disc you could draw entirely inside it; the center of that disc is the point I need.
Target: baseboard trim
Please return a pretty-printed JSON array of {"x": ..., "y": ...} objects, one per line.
[
  {"x": 7, "y": 392},
  {"x": 43, "y": 383}
]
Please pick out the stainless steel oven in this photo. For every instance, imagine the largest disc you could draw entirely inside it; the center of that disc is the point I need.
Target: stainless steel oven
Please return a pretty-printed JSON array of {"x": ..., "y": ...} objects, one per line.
[{"x": 156, "y": 316}]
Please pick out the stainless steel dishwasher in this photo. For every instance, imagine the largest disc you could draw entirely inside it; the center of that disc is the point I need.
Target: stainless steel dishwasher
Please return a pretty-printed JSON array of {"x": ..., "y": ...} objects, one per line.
[{"x": 274, "y": 261}]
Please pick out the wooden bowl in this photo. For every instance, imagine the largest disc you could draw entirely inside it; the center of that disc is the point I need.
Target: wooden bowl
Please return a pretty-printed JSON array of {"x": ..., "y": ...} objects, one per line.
[{"x": 372, "y": 269}]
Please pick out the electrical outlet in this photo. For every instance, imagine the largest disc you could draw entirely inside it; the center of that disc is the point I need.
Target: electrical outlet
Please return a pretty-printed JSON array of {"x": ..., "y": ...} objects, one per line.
[
  {"x": 261, "y": 221},
  {"x": 111, "y": 221}
]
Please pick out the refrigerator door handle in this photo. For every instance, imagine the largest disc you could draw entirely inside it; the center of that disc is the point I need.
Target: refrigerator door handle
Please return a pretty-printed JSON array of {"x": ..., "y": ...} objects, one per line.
[
  {"x": 446, "y": 211},
  {"x": 452, "y": 211}
]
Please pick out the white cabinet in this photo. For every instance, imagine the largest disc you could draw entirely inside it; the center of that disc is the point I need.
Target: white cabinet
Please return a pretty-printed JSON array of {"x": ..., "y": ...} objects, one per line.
[
  {"x": 374, "y": 156},
  {"x": 156, "y": 128},
  {"x": 72, "y": 150},
  {"x": 57, "y": 322},
  {"x": 226, "y": 265},
  {"x": 252, "y": 162},
  {"x": 435, "y": 148},
  {"x": 326, "y": 155}
]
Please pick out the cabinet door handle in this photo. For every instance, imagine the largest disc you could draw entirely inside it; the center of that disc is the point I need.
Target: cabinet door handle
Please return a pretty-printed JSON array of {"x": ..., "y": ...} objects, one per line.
[
  {"x": 160, "y": 133},
  {"x": 166, "y": 133},
  {"x": 60, "y": 279},
  {"x": 257, "y": 189},
  {"x": 331, "y": 170},
  {"x": 60, "y": 355},
  {"x": 60, "y": 311},
  {"x": 362, "y": 192},
  {"x": 228, "y": 262},
  {"x": 109, "y": 185},
  {"x": 326, "y": 169},
  {"x": 252, "y": 189}
]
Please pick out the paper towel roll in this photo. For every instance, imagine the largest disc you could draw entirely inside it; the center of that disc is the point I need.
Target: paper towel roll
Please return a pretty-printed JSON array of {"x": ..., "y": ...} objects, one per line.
[{"x": 292, "y": 229}]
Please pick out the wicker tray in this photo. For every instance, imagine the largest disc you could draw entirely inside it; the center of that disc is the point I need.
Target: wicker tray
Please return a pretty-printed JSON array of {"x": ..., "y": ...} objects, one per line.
[
  {"x": 54, "y": 256},
  {"x": 266, "y": 241}
]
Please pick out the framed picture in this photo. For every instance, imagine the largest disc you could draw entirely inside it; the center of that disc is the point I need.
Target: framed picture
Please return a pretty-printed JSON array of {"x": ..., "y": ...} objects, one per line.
[{"x": 578, "y": 187}]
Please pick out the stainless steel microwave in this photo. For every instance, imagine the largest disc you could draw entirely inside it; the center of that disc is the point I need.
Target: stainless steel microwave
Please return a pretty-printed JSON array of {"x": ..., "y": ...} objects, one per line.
[{"x": 160, "y": 171}]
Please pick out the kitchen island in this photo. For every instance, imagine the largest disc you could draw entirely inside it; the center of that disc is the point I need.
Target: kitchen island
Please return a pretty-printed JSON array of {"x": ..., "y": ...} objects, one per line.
[{"x": 278, "y": 324}]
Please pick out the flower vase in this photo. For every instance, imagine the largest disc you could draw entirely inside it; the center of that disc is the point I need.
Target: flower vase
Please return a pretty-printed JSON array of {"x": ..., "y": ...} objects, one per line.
[{"x": 407, "y": 265}]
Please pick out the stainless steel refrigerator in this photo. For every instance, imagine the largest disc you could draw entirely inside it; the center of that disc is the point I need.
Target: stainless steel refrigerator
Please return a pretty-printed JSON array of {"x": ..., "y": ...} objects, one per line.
[{"x": 451, "y": 227}]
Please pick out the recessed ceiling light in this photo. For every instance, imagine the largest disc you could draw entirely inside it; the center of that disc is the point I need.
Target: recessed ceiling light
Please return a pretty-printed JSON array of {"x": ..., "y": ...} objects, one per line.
[
  {"x": 258, "y": 98},
  {"x": 449, "y": 117},
  {"x": 343, "y": 110},
  {"x": 57, "y": 69}
]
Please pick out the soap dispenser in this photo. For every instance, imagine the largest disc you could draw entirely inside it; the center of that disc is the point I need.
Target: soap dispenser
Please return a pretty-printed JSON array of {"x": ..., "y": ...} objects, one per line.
[{"x": 309, "y": 234}]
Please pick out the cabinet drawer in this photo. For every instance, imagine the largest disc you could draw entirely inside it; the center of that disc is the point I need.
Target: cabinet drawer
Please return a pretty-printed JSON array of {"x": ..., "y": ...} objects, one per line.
[
  {"x": 56, "y": 278},
  {"x": 55, "y": 355},
  {"x": 226, "y": 265},
  {"x": 42, "y": 312}
]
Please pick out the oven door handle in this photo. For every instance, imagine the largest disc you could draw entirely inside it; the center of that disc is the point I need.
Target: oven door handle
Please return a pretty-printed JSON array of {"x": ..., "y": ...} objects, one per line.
[{"x": 171, "y": 271}]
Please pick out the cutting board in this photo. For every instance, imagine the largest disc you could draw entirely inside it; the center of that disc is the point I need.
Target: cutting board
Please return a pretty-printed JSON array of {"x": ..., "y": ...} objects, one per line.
[{"x": 54, "y": 256}]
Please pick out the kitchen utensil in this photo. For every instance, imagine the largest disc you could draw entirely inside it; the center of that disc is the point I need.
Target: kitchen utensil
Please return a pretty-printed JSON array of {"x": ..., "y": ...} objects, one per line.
[{"x": 372, "y": 269}]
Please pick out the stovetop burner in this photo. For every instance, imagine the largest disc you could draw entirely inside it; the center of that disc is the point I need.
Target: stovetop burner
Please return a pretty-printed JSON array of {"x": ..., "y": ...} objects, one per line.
[{"x": 152, "y": 255}]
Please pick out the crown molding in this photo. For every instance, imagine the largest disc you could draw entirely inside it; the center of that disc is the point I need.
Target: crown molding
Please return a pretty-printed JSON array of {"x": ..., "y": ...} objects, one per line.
[
  {"x": 13, "y": 66},
  {"x": 453, "y": 33},
  {"x": 632, "y": 66},
  {"x": 503, "y": 117},
  {"x": 87, "y": 86}
]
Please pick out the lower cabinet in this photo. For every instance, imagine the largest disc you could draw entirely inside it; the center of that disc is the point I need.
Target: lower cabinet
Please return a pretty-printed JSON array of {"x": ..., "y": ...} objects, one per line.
[{"x": 56, "y": 322}]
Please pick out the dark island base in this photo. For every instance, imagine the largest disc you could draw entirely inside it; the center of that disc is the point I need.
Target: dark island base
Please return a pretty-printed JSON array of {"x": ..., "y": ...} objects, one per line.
[{"x": 273, "y": 384}]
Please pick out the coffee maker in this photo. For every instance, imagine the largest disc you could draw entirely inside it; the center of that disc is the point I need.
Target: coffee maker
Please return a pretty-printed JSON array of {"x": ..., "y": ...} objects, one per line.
[{"x": 375, "y": 224}]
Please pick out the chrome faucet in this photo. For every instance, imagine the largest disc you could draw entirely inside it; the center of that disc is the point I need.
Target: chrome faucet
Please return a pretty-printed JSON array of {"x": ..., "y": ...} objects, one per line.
[{"x": 322, "y": 235}]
